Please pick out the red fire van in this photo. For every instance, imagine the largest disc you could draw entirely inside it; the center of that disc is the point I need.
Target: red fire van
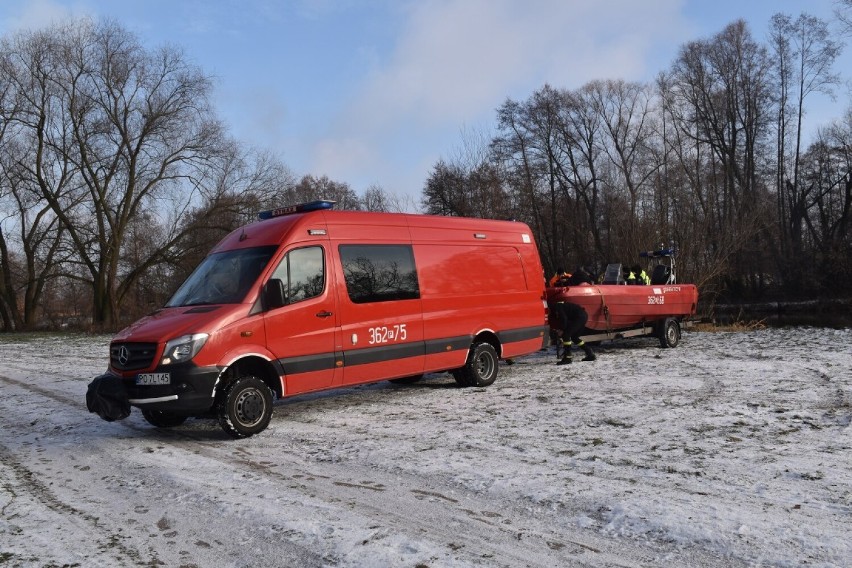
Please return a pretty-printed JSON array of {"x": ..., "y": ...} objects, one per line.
[{"x": 310, "y": 298}]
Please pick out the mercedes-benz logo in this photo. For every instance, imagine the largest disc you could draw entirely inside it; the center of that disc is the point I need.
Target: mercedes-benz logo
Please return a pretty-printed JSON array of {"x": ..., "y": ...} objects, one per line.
[{"x": 123, "y": 355}]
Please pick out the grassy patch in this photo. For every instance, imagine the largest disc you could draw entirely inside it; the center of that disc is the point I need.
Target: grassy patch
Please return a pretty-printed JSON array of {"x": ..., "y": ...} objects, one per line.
[{"x": 733, "y": 326}]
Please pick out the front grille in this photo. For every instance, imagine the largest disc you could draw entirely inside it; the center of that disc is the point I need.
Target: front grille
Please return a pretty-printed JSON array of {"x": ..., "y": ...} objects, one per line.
[{"x": 131, "y": 356}]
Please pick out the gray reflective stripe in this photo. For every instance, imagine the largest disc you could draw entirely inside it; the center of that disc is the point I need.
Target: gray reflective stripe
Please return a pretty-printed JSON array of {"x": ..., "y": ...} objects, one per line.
[
  {"x": 521, "y": 334},
  {"x": 395, "y": 351},
  {"x": 152, "y": 400}
]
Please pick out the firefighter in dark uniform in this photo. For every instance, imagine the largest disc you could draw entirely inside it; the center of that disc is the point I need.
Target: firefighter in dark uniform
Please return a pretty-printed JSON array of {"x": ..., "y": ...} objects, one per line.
[{"x": 573, "y": 318}]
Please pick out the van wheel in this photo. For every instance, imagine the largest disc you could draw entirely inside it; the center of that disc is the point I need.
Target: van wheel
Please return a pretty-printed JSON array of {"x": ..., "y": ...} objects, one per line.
[
  {"x": 245, "y": 407},
  {"x": 669, "y": 333},
  {"x": 480, "y": 370},
  {"x": 162, "y": 418}
]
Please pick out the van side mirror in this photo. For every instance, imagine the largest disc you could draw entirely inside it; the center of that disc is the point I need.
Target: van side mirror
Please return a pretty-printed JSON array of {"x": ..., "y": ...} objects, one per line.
[{"x": 273, "y": 294}]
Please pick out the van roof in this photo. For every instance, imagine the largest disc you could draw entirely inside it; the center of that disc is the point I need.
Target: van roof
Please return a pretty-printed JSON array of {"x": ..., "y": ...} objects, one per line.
[{"x": 296, "y": 225}]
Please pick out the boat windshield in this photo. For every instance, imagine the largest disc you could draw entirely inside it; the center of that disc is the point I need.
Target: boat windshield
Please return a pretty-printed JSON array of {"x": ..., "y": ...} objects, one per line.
[{"x": 223, "y": 277}]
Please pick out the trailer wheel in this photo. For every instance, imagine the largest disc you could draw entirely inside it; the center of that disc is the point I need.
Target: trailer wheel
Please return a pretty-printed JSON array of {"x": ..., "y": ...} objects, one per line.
[
  {"x": 480, "y": 370},
  {"x": 669, "y": 333},
  {"x": 245, "y": 407},
  {"x": 162, "y": 418}
]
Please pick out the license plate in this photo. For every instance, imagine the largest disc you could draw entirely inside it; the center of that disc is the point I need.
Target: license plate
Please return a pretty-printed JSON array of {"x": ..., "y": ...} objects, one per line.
[{"x": 153, "y": 379}]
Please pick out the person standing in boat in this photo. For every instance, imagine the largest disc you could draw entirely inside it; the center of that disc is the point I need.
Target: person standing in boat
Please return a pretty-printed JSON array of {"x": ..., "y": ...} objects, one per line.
[
  {"x": 573, "y": 318},
  {"x": 638, "y": 276}
]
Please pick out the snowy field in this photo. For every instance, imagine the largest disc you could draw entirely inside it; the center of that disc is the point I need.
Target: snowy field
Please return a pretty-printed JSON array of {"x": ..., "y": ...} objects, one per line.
[{"x": 732, "y": 449}]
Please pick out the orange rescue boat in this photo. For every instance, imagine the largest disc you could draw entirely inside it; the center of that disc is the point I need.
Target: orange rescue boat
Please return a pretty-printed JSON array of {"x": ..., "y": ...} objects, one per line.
[{"x": 617, "y": 309}]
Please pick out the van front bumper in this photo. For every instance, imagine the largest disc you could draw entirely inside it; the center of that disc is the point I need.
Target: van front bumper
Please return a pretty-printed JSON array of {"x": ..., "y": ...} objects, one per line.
[{"x": 189, "y": 390}]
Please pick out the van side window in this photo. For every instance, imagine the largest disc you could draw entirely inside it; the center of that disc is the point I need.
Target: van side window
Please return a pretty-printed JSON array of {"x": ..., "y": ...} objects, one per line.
[
  {"x": 302, "y": 272},
  {"x": 379, "y": 273}
]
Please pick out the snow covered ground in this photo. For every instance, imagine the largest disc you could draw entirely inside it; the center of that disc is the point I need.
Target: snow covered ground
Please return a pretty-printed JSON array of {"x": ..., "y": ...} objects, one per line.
[{"x": 732, "y": 449}]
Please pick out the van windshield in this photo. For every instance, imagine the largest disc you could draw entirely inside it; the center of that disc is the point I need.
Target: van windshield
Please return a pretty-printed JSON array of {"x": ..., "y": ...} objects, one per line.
[{"x": 223, "y": 277}]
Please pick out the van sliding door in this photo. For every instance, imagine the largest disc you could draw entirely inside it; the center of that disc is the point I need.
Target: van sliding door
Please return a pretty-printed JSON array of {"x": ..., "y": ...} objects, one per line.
[{"x": 380, "y": 313}]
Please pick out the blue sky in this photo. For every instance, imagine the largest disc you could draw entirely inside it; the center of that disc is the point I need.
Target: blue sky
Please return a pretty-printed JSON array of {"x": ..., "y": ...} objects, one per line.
[{"x": 377, "y": 91}]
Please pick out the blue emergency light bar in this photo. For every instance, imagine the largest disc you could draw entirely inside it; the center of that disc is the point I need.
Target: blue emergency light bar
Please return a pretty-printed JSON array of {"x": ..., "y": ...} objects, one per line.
[
  {"x": 657, "y": 253},
  {"x": 300, "y": 208}
]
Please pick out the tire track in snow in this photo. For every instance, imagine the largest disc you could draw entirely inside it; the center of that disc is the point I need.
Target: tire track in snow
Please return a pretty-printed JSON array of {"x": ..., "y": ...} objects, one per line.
[
  {"x": 105, "y": 539},
  {"x": 321, "y": 486},
  {"x": 41, "y": 391},
  {"x": 138, "y": 512},
  {"x": 460, "y": 522}
]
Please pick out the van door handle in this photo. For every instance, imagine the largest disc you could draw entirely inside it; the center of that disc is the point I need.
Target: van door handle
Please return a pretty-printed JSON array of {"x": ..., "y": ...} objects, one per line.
[{"x": 324, "y": 314}]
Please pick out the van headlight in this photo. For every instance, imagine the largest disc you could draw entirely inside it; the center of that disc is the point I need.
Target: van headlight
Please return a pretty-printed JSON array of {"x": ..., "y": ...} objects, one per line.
[{"x": 183, "y": 348}]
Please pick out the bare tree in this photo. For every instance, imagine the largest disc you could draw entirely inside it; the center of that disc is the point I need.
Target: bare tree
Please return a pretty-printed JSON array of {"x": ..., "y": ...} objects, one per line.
[
  {"x": 804, "y": 56},
  {"x": 682, "y": 194},
  {"x": 625, "y": 111},
  {"x": 39, "y": 242},
  {"x": 568, "y": 154},
  {"x": 238, "y": 185},
  {"x": 843, "y": 13},
  {"x": 30, "y": 233},
  {"x": 526, "y": 153},
  {"x": 375, "y": 198},
  {"x": 469, "y": 184},
  {"x": 310, "y": 188},
  {"x": 444, "y": 192},
  {"x": 455, "y": 190},
  {"x": 603, "y": 170},
  {"x": 8, "y": 300},
  {"x": 117, "y": 131},
  {"x": 514, "y": 151},
  {"x": 579, "y": 169},
  {"x": 827, "y": 173},
  {"x": 719, "y": 98}
]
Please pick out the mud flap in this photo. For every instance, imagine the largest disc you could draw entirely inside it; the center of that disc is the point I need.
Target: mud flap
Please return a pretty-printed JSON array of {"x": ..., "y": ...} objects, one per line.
[{"x": 107, "y": 397}]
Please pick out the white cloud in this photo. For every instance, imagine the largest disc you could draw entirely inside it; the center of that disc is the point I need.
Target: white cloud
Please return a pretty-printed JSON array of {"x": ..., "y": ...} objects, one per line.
[
  {"x": 264, "y": 111},
  {"x": 456, "y": 61},
  {"x": 452, "y": 62},
  {"x": 336, "y": 156},
  {"x": 458, "y": 58},
  {"x": 35, "y": 14}
]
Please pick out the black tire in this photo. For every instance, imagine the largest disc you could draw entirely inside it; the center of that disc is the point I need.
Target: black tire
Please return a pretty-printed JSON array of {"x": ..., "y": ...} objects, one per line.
[
  {"x": 407, "y": 380},
  {"x": 162, "y": 418},
  {"x": 480, "y": 370},
  {"x": 245, "y": 407},
  {"x": 669, "y": 333}
]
